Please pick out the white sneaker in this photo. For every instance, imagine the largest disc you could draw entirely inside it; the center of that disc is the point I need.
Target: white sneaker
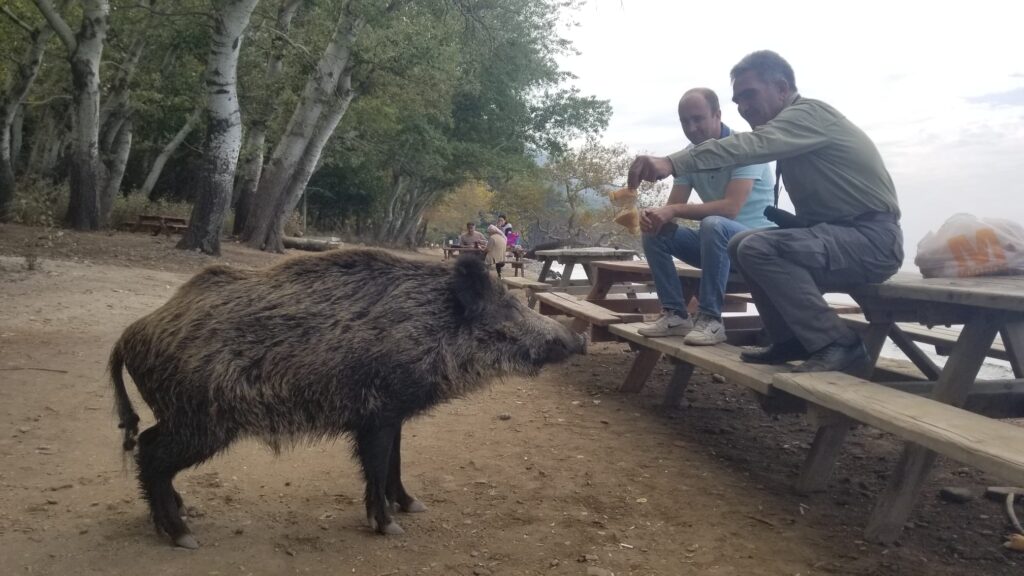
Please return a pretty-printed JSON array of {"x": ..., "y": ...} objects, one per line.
[
  {"x": 668, "y": 324},
  {"x": 707, "y": 331}
]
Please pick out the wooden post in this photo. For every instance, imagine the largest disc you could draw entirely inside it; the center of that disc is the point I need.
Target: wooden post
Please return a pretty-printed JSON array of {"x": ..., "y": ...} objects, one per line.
[
  {"x": 831, "y": 433},
  {"x": 1013, "y": 341},
  {"x": 641, "y": 369},
  {"x": 895, "y": 504},
  {"x": 680, "y": 379}
]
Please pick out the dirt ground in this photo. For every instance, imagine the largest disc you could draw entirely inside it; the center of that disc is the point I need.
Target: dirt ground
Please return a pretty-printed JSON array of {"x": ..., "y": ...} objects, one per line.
[{"x": 578, "y": 480}]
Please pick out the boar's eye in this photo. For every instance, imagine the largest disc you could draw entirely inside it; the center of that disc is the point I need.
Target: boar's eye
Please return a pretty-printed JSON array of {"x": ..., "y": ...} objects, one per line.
[{"x": 472, "y": 285}]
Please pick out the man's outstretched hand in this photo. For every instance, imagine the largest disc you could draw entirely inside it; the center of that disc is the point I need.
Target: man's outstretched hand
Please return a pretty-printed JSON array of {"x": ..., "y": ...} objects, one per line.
[{"x": 648, "y": 169}]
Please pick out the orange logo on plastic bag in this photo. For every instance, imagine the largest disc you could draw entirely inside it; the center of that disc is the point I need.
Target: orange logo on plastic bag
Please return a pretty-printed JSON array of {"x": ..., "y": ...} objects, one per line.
[{"x": 984, "y": 256}]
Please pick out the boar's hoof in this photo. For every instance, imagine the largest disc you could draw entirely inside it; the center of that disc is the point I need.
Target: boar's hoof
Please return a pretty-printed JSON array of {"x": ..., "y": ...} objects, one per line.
[
  {"x": 415, "y": 506},
  {"x": 186, "y": 541},
  {"x": 391, "y": 527}
]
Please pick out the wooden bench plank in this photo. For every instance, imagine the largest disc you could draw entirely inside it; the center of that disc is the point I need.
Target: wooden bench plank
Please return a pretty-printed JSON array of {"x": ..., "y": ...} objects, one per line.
[
  {"x": 520, "y": 283},
  {"x": 581, "y": 309},
  {"x": 987, "y": 444},
  {"x": 720, "y": 359}
]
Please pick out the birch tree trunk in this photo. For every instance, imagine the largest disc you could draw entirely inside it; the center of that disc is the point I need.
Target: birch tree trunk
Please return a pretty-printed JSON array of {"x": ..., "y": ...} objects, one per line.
[
  {"x": 85, "y": 49},
  {"x": 10, "y": 103},
  {"x": 318, "y": 94},
  {"x": 169, "y": 149},
  {"x": 307, "y": 165},
  {"x": 223, "y": 129},
  {"x": 255, "y": 144},
  {"x": 115, "y": 167}
]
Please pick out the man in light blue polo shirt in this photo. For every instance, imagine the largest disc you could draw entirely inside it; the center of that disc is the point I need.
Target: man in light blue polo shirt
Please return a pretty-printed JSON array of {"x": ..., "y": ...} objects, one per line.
[{"x": 733, "y": 200}]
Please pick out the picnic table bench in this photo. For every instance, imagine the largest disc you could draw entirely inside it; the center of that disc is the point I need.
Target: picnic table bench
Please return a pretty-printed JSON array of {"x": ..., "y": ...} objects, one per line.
[{"x": 160, "y": 224}]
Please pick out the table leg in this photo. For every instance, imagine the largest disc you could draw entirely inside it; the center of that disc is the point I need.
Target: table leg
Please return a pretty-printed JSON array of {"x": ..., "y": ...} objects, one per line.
[
  {"x": 895, "y": 504},
  {"x": 1013, "y": 340},
  {"x": 680, "y": 379},
  {"x": 567, "y": 273},
  {"x": 644, "y": 363},
  {"x": 925, "y": 364},
  {"x": 545, "y": 269},
  {"x": 831, "y": 433},
  {"x": 602, "y": 284}
]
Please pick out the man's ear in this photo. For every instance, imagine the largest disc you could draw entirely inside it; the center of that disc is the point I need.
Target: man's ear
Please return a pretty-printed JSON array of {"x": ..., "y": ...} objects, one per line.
[{"x": 472, "y": 284}]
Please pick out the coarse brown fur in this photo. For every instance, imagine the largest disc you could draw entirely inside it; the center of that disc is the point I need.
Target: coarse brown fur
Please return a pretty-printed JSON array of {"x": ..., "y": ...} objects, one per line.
[{"x": 348, "y": 342}]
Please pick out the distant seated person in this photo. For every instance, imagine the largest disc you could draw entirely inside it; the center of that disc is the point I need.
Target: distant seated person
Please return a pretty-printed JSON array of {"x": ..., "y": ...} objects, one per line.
[
  {"x": 733, "y": 199},
  {"x": 503, "y": 224},
  {"x": 495, "y": 248},
  {"x": 471, "y": 238}
]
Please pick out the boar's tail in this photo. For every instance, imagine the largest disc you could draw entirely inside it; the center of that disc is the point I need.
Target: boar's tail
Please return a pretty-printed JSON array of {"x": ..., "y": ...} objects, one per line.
[{"x": 129, "y": 420}]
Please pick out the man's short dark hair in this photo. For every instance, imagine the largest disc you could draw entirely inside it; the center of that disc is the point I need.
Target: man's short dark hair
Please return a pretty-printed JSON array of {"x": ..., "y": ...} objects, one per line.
[
  {"x": 709, "y": 96},
  {"x": 769, "y": 67},
  {"x": 502, "y": 216},
  {"x": 470, "y": 223}
]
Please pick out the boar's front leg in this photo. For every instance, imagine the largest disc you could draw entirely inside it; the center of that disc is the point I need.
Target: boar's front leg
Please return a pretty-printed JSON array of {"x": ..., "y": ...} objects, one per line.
[
  {"x": 374, "y": 444},
  {"x": 395, "y": 490}
]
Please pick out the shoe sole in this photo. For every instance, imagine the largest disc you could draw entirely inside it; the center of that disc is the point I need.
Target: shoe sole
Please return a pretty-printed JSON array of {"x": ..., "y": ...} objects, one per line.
[
  {"x": 663, "y": 334},
  {"x": 702, "y": 342}
]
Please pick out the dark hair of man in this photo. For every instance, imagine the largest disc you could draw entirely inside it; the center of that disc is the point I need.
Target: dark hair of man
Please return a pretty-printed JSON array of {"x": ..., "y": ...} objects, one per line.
[
  {"x": 769, "y": 67},
  {"x": 709, "y": 96},
  {"x": 502, "y": 216},
  {"x": 470, "y": 224}
]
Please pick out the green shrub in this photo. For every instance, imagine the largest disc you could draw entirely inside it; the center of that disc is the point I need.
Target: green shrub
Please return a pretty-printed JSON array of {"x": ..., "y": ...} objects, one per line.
[{"x": 38, "y": 202}]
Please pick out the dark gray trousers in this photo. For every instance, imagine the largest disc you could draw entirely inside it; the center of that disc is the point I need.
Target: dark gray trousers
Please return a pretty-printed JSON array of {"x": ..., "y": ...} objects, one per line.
[{"x": 788, "y": 270}]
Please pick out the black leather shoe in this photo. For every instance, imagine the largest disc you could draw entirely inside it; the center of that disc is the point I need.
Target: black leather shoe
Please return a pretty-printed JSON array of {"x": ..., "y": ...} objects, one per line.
[
  {"x": 836, "y": 357},
  {"x": 776, "y": 353}
]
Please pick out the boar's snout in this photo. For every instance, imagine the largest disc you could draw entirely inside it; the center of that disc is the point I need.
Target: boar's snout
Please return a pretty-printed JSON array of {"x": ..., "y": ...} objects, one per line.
[{"x": 561, "y": 344}]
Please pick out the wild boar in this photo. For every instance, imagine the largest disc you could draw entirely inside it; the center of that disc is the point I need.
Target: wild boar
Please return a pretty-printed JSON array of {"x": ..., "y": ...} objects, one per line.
[{"x": 346, "y": 343}]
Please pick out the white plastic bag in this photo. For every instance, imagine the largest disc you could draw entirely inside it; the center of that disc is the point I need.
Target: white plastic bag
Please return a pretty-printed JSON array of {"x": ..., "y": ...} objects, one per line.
[{"x": 966, "y": 245}]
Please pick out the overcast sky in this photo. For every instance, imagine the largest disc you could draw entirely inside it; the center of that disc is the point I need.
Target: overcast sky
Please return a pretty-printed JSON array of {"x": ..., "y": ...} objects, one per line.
[{"x": 938, "y": 86}]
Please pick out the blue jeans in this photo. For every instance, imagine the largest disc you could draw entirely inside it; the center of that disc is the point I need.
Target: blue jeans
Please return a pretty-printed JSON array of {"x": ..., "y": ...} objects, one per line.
[{"x": 706, "y": 248}]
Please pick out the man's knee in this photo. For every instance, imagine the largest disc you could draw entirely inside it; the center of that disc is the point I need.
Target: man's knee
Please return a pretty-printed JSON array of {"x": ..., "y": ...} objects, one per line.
[
  {"x": 752, "y": 249},
  {"x": 714, "y": 225},
  {"x": 653, "y": 244}
]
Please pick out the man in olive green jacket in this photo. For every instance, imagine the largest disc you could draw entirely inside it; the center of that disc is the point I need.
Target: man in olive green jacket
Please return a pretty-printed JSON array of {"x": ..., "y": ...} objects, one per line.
[{"x": 846, "y": 230}]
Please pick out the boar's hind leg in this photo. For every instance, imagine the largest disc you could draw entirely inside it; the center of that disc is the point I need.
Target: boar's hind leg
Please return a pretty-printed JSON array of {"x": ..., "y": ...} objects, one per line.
[
  {"x": 161, "y": 455},
  {"x": 396, "y": 493},
  {"x": 374, "y": 445}
]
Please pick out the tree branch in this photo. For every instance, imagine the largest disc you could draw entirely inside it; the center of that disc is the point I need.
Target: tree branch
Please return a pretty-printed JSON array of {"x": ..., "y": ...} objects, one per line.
[
  {"x": 21, "y": 24},
  {"x": 58, "y": 24}
]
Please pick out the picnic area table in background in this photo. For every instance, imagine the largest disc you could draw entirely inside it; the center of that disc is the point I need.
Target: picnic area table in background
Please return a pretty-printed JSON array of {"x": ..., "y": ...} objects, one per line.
[
  {"x": 158, "y": 224},
  {"x": 570, "y": 257},
  {"x": 452, "y": 251}
]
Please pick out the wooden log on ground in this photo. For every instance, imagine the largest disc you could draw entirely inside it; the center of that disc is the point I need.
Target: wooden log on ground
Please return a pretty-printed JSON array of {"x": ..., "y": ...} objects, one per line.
[{"x": 309, "y": 244}]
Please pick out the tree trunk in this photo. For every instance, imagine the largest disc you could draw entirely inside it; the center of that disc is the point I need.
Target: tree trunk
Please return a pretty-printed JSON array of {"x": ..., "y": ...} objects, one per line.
[
  {"x": 168, "y": 151},
  {"x": 17, "y": 139},
  {"x": 255, "y": 145},
  {"x": 10, "y": 104},
  {"x": 223, "y": 129},
  {"x": 85, "y": 50},
  {"x": 307, "y": 166},
  {"x": 118, "y": 162},
  {"x": 319, "y": 93}
]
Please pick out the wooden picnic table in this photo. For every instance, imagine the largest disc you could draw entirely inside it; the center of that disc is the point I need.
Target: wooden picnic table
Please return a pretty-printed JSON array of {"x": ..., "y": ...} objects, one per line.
[
  {"x": 954, "y": 413},
  {"x": 158, "y": 223},
  {"x": 984, "y": 307},
  {"x": 452, "y": 251},
  {"x": 570, "y": 257}
]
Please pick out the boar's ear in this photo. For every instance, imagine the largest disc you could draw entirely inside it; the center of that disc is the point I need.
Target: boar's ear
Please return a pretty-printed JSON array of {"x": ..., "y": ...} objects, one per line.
[{"x": 472, "y": 284}]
